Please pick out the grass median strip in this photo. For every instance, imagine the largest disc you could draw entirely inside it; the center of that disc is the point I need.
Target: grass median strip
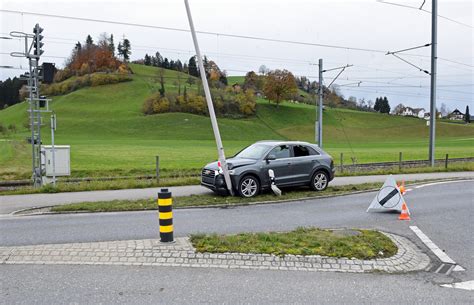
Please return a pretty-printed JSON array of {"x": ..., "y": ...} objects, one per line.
[
  {"x": 361, "y": 244},
  {"x": 208, "y": 200},
  {"x": 191, "y": 177}
]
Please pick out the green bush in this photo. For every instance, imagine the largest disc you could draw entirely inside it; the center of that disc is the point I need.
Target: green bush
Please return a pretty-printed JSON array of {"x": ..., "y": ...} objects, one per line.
[
  {"x": 12, "y": 127},
  {"x": 75, "y": 83},
  {"x": 227, "y": 103},
  {"x": 161, "y": 105}
]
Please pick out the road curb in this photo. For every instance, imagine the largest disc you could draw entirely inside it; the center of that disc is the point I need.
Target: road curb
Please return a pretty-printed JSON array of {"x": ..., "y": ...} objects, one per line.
[
  {"x": 151, "y": 252},
  {"x": 223, "y": 206}
]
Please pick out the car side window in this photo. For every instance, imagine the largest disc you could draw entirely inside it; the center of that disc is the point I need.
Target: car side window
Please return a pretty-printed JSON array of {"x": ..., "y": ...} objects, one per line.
[
  {"x": 280, "y": 152},
  {"x": 313, "y": 151},
  {"x": 301, "y": 151}
]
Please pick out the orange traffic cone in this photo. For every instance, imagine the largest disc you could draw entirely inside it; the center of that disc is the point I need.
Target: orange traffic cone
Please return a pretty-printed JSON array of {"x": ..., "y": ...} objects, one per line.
[
  {"x": 404, "y": 215},
  {"x": 401, "y": 187}
]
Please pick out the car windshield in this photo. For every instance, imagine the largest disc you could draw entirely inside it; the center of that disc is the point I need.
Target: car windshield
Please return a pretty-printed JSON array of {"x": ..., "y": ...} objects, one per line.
[{"x": 254, "y": 151}]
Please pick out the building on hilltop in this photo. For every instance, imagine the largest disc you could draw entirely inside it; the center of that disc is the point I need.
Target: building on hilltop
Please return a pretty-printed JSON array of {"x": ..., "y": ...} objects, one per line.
[
  {"x": 427, "y": 115},
  {"x": 456, "y": 115},
  {"x": 416, "y": 112}
]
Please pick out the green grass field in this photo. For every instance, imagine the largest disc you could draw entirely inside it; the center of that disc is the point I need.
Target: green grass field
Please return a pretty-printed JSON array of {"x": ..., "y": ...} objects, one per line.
[{"x": 109, "y": 135}]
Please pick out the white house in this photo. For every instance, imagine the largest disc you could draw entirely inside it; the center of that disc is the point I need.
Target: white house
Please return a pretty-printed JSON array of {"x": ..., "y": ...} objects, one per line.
[
  {"x": 407, "y": 111},
  {"x": 416, "y": 112},
  {"x": 427, "y": 115},
  {"x": 419, "y": 112},
  {"x": 456, "y": 115}
]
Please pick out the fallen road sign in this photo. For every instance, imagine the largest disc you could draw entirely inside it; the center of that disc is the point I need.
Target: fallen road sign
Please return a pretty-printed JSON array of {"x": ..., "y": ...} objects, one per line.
[{"x": 389, "y": 197}]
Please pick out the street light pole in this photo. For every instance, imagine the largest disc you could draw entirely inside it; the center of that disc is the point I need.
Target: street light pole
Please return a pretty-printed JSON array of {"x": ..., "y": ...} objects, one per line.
[
  {"x": 320, "y": 106},
  {"x": 434, "y": 42}
]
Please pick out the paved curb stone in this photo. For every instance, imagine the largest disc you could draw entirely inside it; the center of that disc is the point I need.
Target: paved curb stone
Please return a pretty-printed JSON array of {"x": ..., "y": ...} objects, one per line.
[{"x": 151, "y": 252}]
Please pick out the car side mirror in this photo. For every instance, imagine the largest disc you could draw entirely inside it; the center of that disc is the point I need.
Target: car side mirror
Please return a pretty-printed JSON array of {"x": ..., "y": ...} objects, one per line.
[{"x": 270, "y": 157}]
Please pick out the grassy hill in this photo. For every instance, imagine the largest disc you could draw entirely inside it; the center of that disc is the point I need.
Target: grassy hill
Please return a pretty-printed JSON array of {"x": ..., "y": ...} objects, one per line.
[{"x": 109, "y": 134}]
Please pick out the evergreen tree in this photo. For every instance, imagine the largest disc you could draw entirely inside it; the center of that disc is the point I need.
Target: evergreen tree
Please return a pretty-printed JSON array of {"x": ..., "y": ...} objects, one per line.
[
  {"x": 153, "y": 61},
  {"x": 78, "y": 47},
  {"x": 377, "y": 104},
  {"x": 9, "y": 91},
  {"x": 467, "y": 116},
  {"x": 166, "y": 63},
  {"x": 147, "y": 60},
  {"x": 192, "y": 67},
  {"x": 159, "y": 59},
  {"x": 89, "y": 41},
  {"x": 179, "y": 66},
  {"x": 120, "y": 49},
  {"x": 385, "y": 106},
  {"x": 126, "y": 50},
  {"x": 111, "y": 44}
]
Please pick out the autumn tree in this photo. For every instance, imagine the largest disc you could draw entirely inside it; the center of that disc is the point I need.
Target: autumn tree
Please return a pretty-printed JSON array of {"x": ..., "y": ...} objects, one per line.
[
  {"x": 279, "y": 85},
  {"x": 398, "y": 109},
  {"x": 91, "y": 58},
  {"x": 263, "y": 70},
  {"x": 253, "y": 81}
]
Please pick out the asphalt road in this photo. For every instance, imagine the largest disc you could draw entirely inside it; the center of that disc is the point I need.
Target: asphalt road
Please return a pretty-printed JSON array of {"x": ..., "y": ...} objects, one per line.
[
  {"x": 443, "y": 211},
  {"x": 12, "y": 203}
]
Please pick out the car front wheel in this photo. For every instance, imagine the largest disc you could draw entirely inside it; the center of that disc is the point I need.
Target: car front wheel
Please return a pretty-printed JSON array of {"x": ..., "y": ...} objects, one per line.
[
  {"x": 249, "y": 187},
  {"x": 319, "y": 182}
]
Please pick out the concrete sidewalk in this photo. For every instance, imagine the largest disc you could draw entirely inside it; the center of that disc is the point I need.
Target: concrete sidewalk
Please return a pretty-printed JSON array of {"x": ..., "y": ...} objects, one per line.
[{"x": 12, "y": 203}]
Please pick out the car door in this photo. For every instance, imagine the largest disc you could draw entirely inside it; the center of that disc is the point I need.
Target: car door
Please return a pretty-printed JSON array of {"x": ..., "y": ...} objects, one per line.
[
  {"x": 281, "y": 165},
  {"x": 302, "y": 164}
]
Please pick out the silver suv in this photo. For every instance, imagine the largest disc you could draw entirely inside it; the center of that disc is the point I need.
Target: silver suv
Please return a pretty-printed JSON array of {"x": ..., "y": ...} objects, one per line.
[{"x": 294, "y": 164}]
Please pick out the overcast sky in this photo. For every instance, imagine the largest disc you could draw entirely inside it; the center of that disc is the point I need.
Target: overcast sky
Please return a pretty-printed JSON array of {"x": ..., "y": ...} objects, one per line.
[{"x": 366, "y": 24}]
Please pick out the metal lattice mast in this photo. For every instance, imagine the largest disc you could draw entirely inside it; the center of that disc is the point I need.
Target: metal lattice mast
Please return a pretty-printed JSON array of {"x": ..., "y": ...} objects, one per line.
[{"x": 33, "y": 53}]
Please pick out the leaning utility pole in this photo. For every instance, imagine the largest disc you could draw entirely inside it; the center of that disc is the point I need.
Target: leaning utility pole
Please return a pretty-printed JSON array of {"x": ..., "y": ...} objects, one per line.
[
  {"x": 319, "y": 119},
  {"x": 434, "y": 42},
  {"x": 210, "y": 106}
]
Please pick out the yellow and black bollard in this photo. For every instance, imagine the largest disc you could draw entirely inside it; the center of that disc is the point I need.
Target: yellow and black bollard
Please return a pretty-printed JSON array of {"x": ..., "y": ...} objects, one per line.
[{"x": 165, "y": 215}]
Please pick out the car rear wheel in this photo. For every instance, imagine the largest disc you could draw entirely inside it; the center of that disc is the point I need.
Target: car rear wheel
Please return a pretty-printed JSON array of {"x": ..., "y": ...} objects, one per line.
[
  {"x": 319, "y": 182},
  {"x": 248, "y": 187}
]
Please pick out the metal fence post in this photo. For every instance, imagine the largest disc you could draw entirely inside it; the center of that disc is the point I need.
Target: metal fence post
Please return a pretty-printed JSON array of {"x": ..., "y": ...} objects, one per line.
[
  {"x": 446, "y": 162},
  {"x": 342, "y": 162},
  {"x": 165, "y": 216},
  {"x": 400, "y": 161},
  {"x": 158, "y": 169}
]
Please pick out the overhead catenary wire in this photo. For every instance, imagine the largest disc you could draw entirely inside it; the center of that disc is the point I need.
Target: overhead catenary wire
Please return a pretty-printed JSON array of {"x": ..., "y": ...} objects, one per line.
[
  {"x": 199, "y": 32},
  {"x": 225, "y": 35},
  {"x": 426, "y": 11},
  {"x": 285, "y": 60},
  {"x": 405, "y": 94}
]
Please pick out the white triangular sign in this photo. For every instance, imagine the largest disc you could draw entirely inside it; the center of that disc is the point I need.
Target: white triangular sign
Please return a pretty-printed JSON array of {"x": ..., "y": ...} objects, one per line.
[{"x": 388, "y": 198}]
